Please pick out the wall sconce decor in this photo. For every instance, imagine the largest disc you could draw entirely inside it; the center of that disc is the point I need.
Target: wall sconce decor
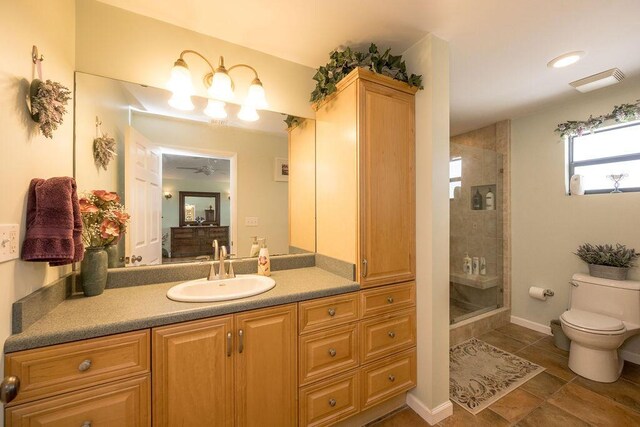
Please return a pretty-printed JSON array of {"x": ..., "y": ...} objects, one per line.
[
  {"x": 220, "y": 89},
  {"x": 167, "y": 195}
]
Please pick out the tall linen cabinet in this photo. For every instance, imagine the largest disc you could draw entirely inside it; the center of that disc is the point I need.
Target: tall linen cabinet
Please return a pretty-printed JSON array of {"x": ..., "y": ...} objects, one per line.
[{"x": 365, "y": 174}]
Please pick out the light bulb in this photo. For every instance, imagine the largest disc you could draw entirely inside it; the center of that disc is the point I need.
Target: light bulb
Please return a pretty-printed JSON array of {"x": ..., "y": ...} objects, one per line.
[
  {"x": 221, "y": 86},
  {"x": 248, "y": 114},
  {"x": 215, "y": 110},
  {"x": 181, "y": 102},
  {"x": 255, "y": 95},
  {"x": 180, "y": 81}
]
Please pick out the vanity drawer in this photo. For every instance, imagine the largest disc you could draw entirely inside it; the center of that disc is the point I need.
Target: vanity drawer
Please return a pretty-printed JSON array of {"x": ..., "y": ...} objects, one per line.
[
  {"x": 329, "y": 401},
  {"x": 125, "y": 403},
  {"x": 383, "y": 337},
  {"x": 387, "y": 378},
  {"x": 67, "y": 367},
  {"x": 326, "y": 353},
  {"x": 326, "y": 312},
  {"x": 387, "y": 298}
]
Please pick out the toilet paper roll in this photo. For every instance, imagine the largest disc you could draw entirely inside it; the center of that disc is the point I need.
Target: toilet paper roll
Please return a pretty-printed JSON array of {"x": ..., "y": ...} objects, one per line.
[{"x": 537, "y": 293}]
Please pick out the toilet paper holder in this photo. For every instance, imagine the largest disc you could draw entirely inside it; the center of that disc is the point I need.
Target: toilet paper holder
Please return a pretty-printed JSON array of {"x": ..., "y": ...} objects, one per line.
[{"x": 548, "y": 293}]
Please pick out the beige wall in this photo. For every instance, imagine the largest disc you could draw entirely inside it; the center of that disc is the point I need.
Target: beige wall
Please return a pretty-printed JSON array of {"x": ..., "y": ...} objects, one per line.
[
  {"x": 258, "y": 194},
  {"x": 548, "y": 225},
  {"x": 122, "y": 45},
  {"x": 430, "y": 57},
  {"x": 26, "y": 153}
]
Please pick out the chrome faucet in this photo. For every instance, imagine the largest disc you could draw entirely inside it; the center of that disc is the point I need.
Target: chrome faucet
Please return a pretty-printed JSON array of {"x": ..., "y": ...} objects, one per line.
[{"x": 223, "y": 255}]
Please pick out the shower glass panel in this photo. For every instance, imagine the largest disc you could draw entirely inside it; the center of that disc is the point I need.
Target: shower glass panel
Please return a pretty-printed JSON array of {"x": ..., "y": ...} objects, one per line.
[{"x": 475, "y": 194}]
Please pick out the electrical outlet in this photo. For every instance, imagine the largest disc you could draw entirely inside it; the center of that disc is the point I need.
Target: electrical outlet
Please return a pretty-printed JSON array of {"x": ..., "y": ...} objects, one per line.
[
  {"x": 9, "y": 242},
  {"x": 251, "y": 221}
]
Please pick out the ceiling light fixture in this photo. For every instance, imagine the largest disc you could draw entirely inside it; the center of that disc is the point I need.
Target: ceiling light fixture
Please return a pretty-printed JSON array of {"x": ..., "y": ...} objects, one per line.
[
  {"x": 566, "y": 59},
  {"x": 219, "y": 89},
  {"x": 597, "y": 81}
]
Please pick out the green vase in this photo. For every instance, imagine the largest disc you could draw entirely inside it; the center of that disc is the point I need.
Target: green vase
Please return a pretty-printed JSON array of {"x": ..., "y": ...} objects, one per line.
[
  {"x": 93, "y": 271},
  {"x": 112, "y": 255}
]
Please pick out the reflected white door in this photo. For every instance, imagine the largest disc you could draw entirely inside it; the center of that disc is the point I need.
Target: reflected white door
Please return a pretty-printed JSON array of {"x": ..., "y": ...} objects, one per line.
[{"x": 143, "y": 199}]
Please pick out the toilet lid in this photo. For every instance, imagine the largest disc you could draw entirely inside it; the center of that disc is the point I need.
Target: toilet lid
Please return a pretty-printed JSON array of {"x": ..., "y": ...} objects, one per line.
[{"x": 592, "y": 321}]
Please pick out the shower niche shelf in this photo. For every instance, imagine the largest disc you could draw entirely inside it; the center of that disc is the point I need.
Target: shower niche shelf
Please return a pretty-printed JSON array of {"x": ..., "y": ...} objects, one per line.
[{"x": 483, "y": 190}]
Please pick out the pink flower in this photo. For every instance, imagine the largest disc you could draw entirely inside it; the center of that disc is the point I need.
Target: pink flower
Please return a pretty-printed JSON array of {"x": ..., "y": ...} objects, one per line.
[
  {"x": 106, "y": 196},
  {"x": 87, "y": 207},
  {"x": 109, "y": 229},
  {"x": 122, "y": 217}
]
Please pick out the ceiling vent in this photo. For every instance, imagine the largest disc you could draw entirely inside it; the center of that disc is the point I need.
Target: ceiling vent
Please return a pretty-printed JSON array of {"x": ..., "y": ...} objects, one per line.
[{"x": 597, "y": 81}]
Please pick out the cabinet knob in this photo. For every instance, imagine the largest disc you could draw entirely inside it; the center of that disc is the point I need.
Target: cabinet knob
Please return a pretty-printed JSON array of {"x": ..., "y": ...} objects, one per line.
[
  {"x": 85, "y": 365},
  {"x": 332, "y": 402},
  {"x": 390, "y": 300},
  {"x": 332, "y": 352},
  {"x": 332, "y": 312},
  {"x": 9, "y": 389},
  {"x": 392, "y": 377},
  {"x": 391, "y": 334}
]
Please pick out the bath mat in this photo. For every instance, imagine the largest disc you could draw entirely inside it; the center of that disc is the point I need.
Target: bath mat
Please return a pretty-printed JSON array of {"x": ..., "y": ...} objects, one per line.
[{"x": 480, "y": 374}]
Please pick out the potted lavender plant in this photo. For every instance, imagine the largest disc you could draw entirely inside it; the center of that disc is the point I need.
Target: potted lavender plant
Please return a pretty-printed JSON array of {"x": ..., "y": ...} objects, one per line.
[{"x": 607, "y": 261}]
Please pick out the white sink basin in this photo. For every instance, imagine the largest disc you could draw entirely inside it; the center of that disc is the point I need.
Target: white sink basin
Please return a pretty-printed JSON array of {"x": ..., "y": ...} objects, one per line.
[{"x": 203, "y": 290}]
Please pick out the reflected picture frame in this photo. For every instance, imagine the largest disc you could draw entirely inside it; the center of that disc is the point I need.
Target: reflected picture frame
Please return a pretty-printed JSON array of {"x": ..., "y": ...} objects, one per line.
[{"x": 281, "y": 169}]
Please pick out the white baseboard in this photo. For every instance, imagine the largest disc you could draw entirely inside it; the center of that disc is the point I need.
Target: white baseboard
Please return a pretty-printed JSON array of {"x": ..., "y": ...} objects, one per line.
[
  {"x": 432, "y": 416},
  {"x": 531, "y": 325},
  {"x": 630, "y": 356}
]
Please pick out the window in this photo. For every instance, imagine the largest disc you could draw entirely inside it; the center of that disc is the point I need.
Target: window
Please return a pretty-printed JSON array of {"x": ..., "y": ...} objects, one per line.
[
  {"x": 455, "y": 175},
  {"x": 609, "y": 151}
]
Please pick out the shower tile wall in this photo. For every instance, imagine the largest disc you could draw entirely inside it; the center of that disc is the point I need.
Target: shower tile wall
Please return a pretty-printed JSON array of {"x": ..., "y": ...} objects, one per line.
[{"x": 477, "y": 232}]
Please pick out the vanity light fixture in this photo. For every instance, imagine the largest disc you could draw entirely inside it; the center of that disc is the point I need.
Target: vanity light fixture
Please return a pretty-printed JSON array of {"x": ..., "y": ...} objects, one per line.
[
  {"x": 566, "y": 59},
  {"x": 167, "y": 195},
  {"x": 219, "y": 89}
]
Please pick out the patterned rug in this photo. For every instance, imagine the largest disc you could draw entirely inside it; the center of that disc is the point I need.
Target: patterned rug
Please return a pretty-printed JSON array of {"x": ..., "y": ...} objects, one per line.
[{"x": 481, "y": 374}]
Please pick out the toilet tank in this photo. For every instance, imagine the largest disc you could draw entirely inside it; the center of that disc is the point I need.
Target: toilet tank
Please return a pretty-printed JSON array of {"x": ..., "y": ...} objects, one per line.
[{"x": 615, "y": 298}]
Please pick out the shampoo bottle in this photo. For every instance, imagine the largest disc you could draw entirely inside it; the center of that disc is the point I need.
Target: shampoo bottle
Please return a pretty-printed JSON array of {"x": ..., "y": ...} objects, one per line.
[
  {"x": 483, "y": 266},
  {"x": 489, "y": 201},
  {"x": 264, "y": 263},
  {"x": 475, "y": 265},
  {"x": 466, "y": 264},
  {"x": 477, "y": 201}
]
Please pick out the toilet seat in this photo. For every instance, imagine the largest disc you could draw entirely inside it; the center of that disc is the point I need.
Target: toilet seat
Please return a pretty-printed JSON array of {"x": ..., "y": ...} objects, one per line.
[{"x": 592, "y": 322}]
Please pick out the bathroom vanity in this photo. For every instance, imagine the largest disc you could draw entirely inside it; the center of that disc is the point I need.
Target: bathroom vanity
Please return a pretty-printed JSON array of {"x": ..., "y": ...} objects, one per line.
[{"x": 326, "y": 348}]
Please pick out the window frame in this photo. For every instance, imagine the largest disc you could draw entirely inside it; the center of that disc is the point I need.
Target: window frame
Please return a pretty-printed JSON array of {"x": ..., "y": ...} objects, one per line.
[
  {"x": 457, "y": 178},
  {"x": 602, "y": 160}
]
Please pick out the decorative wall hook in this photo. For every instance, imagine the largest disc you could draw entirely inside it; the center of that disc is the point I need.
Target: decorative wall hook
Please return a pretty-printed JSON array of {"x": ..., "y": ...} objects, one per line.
[{"x": 34, "y": 55}]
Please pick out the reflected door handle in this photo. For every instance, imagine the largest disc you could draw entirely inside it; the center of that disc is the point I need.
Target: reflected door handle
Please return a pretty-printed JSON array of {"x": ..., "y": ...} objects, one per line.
[{"x": 136, "y": 258}]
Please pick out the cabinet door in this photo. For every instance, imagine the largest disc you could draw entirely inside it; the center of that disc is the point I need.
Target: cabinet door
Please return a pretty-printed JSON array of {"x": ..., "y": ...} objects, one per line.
[
  {"x": 266, "y": 367},
  {"x": 387, "y": 185},
  {"x": 193, "y": 374}
]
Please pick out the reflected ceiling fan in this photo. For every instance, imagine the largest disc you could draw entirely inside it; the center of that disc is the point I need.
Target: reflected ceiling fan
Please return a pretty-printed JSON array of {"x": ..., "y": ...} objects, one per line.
[{"x": 207, "y": 169}]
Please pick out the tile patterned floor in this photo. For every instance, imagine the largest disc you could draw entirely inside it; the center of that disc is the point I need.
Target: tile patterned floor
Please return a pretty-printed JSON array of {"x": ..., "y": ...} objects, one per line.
[{"x": 556, "y": 397}]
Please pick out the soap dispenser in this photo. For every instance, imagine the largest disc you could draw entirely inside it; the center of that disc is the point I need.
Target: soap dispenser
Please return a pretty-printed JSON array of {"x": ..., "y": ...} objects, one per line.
[
  {"x": 489, "y": 201},
  {"x": 264, "y": 263},
  {"x": 255, "y": 248}
]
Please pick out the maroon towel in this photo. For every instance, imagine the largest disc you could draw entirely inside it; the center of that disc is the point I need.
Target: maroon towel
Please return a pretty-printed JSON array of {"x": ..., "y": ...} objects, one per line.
[{"x": 54, "y": 222}]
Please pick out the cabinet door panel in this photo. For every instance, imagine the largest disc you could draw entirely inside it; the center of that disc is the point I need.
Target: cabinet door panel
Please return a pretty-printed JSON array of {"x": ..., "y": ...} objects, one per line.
[
  {"x": 266, "y": 386},
  {"x": 193, "y": 374},
  {"x": 387, "y": 185}
]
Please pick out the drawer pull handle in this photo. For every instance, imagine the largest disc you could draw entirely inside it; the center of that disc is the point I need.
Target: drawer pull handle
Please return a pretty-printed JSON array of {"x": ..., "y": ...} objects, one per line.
[
  {"x": 392, "y": 378},
  {"x": 391, "y": 334},
  {"x": 390, "y": 300},
  {"x": 332, "y": 402},
  {"x": 332, "y": 352},
  {"x": 241, "y": 341},
  {"x": 85, "y": 365},
  {"x": 229, "y": 344},
  {"x": 332, "y": 312},
  {"x": 86, "y": 424}
]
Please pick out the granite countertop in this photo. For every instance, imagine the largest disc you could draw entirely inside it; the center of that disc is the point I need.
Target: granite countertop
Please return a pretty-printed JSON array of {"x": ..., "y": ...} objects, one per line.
[{"x": 140, "y": 307}]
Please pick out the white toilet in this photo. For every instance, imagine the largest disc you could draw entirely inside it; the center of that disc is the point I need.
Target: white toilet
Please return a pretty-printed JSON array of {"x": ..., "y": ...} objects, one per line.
[{"x": 602, "y": 314}]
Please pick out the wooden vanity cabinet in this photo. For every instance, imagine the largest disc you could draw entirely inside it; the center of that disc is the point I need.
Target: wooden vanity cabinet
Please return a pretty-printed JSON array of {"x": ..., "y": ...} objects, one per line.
[
  {"x": 366, "y": 166},
  {"x": 230, "y": 370}
]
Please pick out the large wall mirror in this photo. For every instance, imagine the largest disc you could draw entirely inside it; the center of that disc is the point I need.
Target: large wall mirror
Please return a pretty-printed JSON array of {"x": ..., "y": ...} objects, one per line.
[{"x": 167, "y": 158}]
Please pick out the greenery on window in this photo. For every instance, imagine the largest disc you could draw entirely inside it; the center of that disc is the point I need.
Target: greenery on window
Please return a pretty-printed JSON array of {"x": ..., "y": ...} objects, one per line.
[{"x": 621, "y": 114}]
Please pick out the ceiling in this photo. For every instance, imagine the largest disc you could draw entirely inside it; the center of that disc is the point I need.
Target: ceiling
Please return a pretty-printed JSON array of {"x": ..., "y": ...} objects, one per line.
[{"x": 499, "y": 48}]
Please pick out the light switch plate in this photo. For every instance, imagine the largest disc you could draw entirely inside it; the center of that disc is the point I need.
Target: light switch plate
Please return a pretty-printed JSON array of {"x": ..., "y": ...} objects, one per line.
[
  {"x": 251, "y": 221},
  {"x": 9, "y": 242}
]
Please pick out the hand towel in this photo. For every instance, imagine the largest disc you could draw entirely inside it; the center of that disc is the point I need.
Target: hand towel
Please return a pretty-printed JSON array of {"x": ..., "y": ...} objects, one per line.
[{"x": 54, "y": 222}]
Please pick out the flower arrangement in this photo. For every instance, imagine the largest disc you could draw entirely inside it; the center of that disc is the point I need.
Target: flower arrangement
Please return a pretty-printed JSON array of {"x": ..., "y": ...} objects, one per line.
[
  {"x": 621, "y": 114},
  {"x": 48, "y": 104},
  {"x": 104, "y": 219}
]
